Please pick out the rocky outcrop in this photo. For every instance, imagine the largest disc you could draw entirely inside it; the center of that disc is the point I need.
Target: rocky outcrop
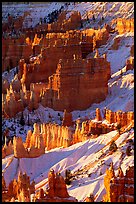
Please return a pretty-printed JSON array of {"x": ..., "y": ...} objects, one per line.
[
  {"x": 62, "y": 23},
  {"x": 67, "y": 119},
  {"x": 98, "y": 115},
  {"x": 132, "y": 51},
  {"x": 49, "y": 136},
  {"x": 120, "y": 117},
  {"x": 11, "y": 103},
  {"x": 72, "y": 81},
  {"x": 21, "y": 152},
  {"x": 57, "y": 190},
  {"x": 116, "y": 43},
  {"x": 12, "y": 49},
  {"x": 125, "y": 25},
  {"x": 7, "y": 149},
  {"x": 119, "y": 188},
  {"x": 130, "y": 64},
  {"x": 69, "y": 51},
  {"x": 21, "y": 189}
]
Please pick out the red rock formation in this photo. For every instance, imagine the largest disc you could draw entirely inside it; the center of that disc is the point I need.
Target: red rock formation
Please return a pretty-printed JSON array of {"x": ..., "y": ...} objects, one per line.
[
  {"x": 93, "y": 128},
  {"x": 100, "y": 37},
  {"x": 67, "y": 119},
  {"x": 119, "y": 188},
  {"x": 125, "y": 25},
  {"x": 130, "y": 64},
  {"x": 71, "y": 47},
  {"x": 116, "y": 43},
  {"x": 72, "y": 81},
  {"x": 11, "y": 105},
  {"x": 7, "y": 149},
  {"x": 12, "y": 52},
  {"x": 48, "y": 136},
  {"x": 132, "y": 51},
  {"x": 21, "y": 152},
  {"x": 122, "y": 118},
  {"x": 98, "y": 114},
  {"x": 57, "y": 190},
  {"x": 20, "y": 189},
  {"x": 5, "y": 86}
]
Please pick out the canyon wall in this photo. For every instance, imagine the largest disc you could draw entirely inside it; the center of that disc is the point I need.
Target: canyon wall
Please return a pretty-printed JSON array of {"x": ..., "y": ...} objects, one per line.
[{"x": 77, "y": 79}]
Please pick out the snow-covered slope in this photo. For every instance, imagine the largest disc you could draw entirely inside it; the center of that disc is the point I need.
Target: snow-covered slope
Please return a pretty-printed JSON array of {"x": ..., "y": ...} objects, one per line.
[
  {"x": 87, "y": 160},
  {"x": 92, "y": 156},
  {"x": 109, "y": 10}
]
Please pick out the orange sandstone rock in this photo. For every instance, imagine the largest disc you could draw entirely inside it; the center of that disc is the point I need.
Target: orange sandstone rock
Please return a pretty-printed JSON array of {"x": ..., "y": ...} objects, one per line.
[
  {"x": 120, "y": 188},
  {"x": 67, "y": 119}
]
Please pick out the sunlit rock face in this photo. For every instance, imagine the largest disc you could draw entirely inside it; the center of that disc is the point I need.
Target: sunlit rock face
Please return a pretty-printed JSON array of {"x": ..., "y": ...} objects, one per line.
[
  {"x": 7, "y": 150},
  {"x": 119, "y": 188},
  {"x": 125, "y": 25},
  {"x": 18, "y": 189},
  {"x": 77, "y": 79},
  {"x": 59, "y": 74},
  {"x": 57, "y": 190},
  {"x": 49, "y": 136}
]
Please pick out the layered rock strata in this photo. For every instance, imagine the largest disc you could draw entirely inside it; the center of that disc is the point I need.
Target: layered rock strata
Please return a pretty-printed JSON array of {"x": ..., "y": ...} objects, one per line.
[{"x": 75, "y": 79}]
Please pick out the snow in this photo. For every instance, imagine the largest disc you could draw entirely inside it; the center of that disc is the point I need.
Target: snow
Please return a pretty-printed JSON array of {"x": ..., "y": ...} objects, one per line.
[
  {"x": 40, "y": 10},
  {"x": 91, "y": 155}
]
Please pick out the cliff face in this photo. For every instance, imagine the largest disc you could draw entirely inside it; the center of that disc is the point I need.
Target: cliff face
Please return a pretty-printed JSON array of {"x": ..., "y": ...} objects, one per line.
[
  {"x": 67, "y": 74},
  {"x": 77, "y": 79},
  {"x": 119, "y": 188}
]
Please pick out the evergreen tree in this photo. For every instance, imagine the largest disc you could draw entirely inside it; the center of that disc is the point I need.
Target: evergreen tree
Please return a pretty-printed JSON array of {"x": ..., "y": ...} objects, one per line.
[
  {"x": 118, "y": 127},
  {"x": 113, "y": 146},
  {"x": 22, "y": 121},
  {"x": 68, "y": 177}
]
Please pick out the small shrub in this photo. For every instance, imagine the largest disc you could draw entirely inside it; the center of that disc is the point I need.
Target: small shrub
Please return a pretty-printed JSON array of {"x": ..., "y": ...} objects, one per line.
[
  {"x": 91, "y": 198},
  {"x": 68, "y": 177},
  {"x": 22, "y": 121},
  {"x": 113, "y": 146},
  {"x": 118, "y": 127},
  {"x": 128, "y": 151}
]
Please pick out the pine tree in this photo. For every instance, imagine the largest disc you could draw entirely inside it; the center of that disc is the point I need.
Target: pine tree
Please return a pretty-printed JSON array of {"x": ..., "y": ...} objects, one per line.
[
  {"x": 113, "y": 146},
  {"x": 118, "y": 127},
  {"x": 68, "y": 177},
  {"x": 22, "y": 121}
]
